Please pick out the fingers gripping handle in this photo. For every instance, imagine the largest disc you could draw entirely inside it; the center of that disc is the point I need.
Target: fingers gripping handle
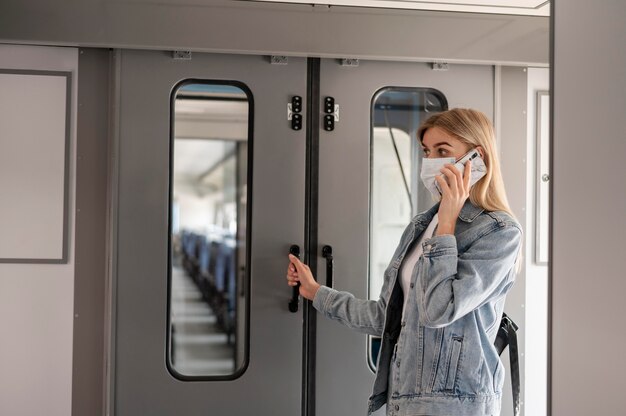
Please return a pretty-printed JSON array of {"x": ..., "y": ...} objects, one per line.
[{"x": 293, "y": 303}]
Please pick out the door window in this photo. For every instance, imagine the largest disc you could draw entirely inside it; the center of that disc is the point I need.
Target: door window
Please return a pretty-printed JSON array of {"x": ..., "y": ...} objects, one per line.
[
  {"x": 397, "y": 193},
  {"x": 208, "y": 212}
]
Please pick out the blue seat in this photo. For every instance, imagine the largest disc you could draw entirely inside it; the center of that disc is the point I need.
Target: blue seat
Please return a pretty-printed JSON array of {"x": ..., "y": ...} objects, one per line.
[
  {"x": 205, "y": 256},
  {"x": 221, "y": 267},
  {"x": 232, "y": 281}
]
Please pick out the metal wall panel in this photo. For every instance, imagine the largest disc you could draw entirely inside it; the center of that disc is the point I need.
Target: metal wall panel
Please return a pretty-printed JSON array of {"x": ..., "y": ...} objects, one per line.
[
  {"x": 513, "y": 160},
  {"x": 344, "y": 379},
  {"x": 35, "y": 164},
  {"x": 588, "y": 206},
  {"x": 92, "y": 163},
  {"x": 272, "y": 382},
  {"x": 36, "y": 300},
  {"x": 286, "y": 29}
]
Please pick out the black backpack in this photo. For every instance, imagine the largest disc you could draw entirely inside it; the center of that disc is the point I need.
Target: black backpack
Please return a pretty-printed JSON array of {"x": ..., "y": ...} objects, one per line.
[{"x": 507, "y": 336}]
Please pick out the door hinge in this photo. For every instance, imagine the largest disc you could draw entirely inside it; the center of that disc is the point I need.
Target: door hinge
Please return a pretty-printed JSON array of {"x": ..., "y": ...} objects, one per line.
[
  {"x": 279, "y": 60},
  {"x": 439, "y": 66},
  {"x": 181, "y": 55},
  {"x": 349, "y": 62}
]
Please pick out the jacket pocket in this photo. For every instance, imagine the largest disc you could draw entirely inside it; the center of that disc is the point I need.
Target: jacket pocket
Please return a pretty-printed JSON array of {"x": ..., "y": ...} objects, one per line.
[
  {"x": 498, "y": 378},
  {"x": 453, "y": 366},
  {"x": 394, "y": 353}
]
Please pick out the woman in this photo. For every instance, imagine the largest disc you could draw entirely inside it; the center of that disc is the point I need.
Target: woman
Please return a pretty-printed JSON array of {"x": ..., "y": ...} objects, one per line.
[{"x": 443, "y": 293}]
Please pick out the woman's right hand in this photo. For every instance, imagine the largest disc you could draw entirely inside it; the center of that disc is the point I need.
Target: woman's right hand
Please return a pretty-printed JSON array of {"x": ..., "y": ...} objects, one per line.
[{"x": 298, "y": 272}]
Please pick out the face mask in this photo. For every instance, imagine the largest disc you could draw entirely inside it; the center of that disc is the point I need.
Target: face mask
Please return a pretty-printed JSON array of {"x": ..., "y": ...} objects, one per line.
[{"x": 432, "y": 168}]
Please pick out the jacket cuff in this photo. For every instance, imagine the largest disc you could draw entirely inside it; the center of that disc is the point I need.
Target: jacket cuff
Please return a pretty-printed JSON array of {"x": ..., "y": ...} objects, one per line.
[
  {"x": 439, "y": 245},
  {"x": 322, "y": 297}
]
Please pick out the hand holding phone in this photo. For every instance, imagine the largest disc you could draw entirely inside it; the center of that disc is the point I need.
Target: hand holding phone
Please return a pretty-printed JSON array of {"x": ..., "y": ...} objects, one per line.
[{"x": 478, "y": 167}]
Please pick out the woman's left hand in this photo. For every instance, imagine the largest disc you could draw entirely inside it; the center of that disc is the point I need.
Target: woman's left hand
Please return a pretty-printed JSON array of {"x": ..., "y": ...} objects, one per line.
[{"x": 455, "y": 192}]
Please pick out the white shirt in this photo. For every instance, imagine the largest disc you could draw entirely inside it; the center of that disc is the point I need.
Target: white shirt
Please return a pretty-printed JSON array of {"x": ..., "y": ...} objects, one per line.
[{"x": 411, "y": 258}]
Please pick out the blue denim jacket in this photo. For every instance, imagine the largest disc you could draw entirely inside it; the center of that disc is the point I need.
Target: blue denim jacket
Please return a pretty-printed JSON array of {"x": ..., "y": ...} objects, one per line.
[{"x": 441, "y": 357}]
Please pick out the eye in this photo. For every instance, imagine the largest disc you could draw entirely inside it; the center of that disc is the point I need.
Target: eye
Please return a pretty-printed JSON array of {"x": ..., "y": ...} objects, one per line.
[
  {"x": 442, "y": 151},
  {"x": 426, "y": 152}
]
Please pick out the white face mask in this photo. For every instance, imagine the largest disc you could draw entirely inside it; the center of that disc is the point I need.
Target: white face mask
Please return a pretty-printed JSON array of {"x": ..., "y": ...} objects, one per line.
[{"x": 432, "y": 168}]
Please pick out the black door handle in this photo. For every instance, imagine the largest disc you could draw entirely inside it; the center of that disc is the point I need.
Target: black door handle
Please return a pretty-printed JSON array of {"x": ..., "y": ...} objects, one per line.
[
  {"x": 293, "y": 303},
  {"x": 327, "y": 253}
]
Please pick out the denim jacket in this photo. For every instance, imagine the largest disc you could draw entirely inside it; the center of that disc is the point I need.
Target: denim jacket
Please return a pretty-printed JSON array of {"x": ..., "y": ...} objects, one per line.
[{"x": 440, "y": 356}]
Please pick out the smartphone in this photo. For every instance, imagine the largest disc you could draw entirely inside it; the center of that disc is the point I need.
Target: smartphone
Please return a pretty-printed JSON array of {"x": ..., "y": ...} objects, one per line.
[{"x": 478, "y": 167}]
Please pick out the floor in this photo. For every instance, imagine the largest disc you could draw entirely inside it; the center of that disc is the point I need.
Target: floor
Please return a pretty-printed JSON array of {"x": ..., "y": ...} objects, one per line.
[{"x": 199, "y": 347}]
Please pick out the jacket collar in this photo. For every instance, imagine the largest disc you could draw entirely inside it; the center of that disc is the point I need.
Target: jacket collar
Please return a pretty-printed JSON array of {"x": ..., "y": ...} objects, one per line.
[{"x": 468, "y": 213}]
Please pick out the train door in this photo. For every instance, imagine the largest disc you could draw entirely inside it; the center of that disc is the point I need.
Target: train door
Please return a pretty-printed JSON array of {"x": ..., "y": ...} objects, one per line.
[
  {"x": 176, "y": 272},
  {"x": 368, "y": 191}
]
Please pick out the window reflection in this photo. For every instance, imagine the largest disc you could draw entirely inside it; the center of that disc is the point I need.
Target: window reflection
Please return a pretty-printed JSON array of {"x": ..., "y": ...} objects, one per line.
[{"x": 208, "y": 230}]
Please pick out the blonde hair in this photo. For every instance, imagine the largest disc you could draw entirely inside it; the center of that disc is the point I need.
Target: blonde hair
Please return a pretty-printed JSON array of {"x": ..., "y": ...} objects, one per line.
[{"x": 473, "y": 128}]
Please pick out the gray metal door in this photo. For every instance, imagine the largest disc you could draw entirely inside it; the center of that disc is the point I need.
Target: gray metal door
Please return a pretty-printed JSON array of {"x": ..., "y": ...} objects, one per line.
[
  {"x": 344, "y": 378},
  {"x": 271, "y": 381}
]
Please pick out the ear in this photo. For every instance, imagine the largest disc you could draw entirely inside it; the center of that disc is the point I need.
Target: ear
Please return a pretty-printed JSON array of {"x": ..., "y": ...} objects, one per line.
[{"x": 481, "y": 151}]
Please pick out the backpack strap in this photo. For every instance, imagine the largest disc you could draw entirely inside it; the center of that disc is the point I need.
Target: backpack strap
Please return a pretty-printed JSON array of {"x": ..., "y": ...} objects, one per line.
[{"x": 507, "y": 336}]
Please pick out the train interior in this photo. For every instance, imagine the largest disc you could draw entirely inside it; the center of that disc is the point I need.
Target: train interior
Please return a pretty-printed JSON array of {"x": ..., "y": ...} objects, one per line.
[{"x": 155, "y": 178}]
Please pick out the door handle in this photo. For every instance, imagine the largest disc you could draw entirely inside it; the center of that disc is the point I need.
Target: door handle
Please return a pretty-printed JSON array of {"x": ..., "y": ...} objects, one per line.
[
  {"x": 327, "y": 253},
  {"x": 293, "y": 303}
]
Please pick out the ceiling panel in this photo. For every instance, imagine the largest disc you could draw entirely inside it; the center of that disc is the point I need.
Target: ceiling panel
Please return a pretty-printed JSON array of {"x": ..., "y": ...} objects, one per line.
[{"x": 513, "y": 7}]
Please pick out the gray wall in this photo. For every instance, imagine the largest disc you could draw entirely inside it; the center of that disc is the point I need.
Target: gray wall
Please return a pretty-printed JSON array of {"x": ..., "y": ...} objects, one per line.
[
  {"x": 289, "y": 29},
  {"x": 34, "y": 184},
  {"x": 36, "y": 300},
  {"x": 513, "y": 140},
  {"x": 536, "y": 303},
  {"x": 91, "y": 214},
  {"x": 589, "y": 203}
]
